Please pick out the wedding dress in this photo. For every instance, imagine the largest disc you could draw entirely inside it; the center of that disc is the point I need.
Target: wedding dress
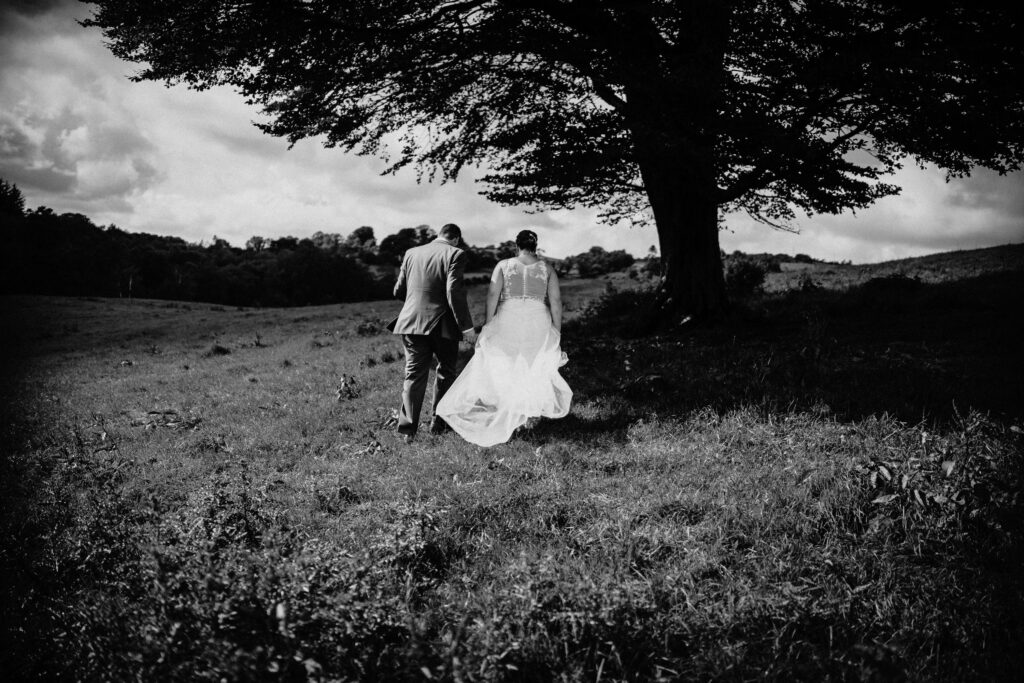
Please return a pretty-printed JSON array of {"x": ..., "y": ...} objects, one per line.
[{"x": 513, "y": 375}]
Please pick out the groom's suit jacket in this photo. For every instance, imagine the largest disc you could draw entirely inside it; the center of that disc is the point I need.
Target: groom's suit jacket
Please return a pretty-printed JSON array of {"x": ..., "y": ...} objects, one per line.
[{"x": 430, "y": 281}]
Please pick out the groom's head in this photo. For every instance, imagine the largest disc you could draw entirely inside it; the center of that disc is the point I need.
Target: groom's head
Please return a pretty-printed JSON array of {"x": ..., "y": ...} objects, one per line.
[{"x": 451, "y": 233}]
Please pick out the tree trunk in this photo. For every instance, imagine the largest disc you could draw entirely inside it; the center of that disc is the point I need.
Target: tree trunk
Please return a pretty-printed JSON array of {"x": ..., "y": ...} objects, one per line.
[
  {"x": 674, "y": 126},
  {"x": 683, "y": 203}
]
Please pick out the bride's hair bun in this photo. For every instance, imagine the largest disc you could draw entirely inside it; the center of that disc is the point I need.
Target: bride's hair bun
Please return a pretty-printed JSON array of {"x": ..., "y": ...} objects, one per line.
[{"x": 527, "y": 240}]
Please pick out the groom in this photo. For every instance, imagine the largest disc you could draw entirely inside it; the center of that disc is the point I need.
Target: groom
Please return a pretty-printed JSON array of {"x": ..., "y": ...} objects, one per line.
[{"x": 433, "y": 320}]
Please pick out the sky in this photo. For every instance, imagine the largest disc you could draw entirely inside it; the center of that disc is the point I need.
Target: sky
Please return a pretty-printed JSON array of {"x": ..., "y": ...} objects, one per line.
[{"x": 77, "y": 135}]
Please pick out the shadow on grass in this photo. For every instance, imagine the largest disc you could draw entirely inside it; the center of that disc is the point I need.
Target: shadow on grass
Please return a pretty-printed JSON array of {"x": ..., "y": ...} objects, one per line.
[
  {"x": 572, "y": 427},
  {"x": 915, "y": 351}
]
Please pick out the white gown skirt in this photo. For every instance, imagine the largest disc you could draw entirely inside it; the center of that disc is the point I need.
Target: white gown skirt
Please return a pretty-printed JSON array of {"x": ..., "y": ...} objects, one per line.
[{"x": 512, "y": 376}]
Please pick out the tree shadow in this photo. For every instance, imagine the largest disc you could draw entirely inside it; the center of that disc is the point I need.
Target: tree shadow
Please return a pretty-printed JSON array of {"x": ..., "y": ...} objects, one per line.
[
  {"x": 896, "y": 346},
  {"x": 610, "y": 429}
]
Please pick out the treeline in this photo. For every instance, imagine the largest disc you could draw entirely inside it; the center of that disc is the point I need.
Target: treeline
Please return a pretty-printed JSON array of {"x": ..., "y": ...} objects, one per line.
[
  {"x": 67, "y": 254},
  {"x": 772, "y": 263}
]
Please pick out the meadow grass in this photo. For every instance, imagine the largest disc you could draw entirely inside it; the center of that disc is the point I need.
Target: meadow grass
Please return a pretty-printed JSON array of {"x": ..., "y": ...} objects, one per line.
[{"x": 826, "y": 486}]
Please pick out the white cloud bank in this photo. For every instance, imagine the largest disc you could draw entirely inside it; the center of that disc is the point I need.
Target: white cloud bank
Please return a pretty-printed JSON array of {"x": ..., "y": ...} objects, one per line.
[{"x": 77, "y": 135}]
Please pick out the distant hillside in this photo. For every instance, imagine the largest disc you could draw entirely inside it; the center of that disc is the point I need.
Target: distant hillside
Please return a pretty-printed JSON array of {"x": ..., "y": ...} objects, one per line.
[{"x": 951, "y": 265}]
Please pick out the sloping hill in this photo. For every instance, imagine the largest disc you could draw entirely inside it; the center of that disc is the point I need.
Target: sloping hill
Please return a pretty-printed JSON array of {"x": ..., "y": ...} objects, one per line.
[{"x": 934, "y": 268}]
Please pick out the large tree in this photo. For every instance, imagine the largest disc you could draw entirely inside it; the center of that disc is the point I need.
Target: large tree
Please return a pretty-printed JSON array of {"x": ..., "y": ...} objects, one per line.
[{"x": 677, "y": 109}]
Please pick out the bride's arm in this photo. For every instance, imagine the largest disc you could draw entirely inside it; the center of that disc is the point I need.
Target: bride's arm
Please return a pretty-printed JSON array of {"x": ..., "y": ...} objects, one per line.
[
  {"x": 494, "y": 292},
  {"x": 555, "y": 299}
]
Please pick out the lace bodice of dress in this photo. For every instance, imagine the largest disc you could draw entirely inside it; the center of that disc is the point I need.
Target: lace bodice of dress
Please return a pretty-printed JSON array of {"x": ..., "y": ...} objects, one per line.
[{"x": 524, "y": 281}]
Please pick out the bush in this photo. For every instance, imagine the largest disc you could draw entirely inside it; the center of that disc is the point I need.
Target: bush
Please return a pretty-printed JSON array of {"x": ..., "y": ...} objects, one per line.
[
  {"x": 807, "y": 283},
  {"x": 597, "y": 262},
  {"x": 772, "y": 263},
  {"x": 652, "y": 268},
  {"x": 625, "y": 313},
  {"x": 744, "y": 276}
]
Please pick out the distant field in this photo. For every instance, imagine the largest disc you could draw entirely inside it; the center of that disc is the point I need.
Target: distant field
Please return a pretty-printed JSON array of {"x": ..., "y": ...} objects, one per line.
[{"x": 826, "y": 486}]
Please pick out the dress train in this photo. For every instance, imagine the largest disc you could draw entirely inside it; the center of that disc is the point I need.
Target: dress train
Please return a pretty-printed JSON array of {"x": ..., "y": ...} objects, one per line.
[{"x": 512, "y": 376}]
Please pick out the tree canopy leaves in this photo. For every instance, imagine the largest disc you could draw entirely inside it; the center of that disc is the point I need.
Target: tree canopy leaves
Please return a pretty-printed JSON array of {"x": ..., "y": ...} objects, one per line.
[{"x": 806, "y": 104}]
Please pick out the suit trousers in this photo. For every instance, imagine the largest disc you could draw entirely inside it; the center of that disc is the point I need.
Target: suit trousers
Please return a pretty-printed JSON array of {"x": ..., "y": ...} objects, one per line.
[{"x": 420, "y": 350}]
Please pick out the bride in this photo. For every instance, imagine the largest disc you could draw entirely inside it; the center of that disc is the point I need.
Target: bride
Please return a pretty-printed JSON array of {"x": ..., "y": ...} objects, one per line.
[{"x": 513, "y": 375}]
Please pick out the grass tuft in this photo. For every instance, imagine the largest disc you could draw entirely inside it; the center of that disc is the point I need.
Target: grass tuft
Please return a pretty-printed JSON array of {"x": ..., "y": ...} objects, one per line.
[{"x": 216, "y": 350}]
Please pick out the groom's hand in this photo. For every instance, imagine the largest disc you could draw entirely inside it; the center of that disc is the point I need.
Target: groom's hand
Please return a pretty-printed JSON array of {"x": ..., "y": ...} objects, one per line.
[{"x": 470, "y": 335}]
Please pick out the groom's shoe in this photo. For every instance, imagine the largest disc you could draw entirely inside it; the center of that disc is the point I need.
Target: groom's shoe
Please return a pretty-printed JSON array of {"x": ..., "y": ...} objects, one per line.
[
  {"x": 408, "y": 438},
  {"x": 439, "y": 426}
]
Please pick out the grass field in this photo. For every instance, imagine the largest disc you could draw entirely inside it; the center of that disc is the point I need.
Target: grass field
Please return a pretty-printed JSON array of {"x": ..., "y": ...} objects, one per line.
[{"x": 825, "y": 486}]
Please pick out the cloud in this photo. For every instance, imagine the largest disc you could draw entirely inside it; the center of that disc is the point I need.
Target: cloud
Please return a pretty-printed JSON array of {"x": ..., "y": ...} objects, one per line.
[
  {"x": 64, "y": 139},
  {"x": 78, "y": 155},
  {"x": 12, "y": 12},
  {"x": 32, "y": 7},
  {"x": 21, "y": 159},
  {"x": 928, "y": 216},
  {"x": 986, "y": 189}
]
